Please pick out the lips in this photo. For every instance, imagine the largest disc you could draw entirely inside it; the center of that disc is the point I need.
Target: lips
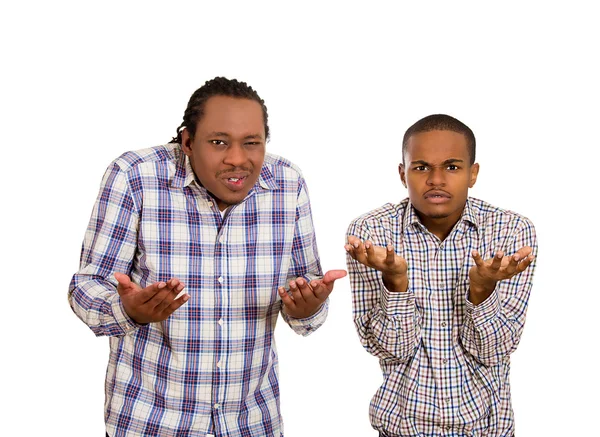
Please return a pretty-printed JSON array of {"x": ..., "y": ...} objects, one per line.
[
  {"x": 437, "y": 196},
  {"x": 234, "y": 181}
]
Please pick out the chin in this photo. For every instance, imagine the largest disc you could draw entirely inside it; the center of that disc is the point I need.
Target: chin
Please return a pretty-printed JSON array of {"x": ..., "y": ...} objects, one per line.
[{"x": 433, "y": 214}]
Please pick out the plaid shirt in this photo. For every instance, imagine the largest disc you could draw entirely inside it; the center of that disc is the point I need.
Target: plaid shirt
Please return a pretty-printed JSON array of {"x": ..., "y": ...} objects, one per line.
[
  {"x": 212, "y": 363},
  {"x": 445, "y": 362}
]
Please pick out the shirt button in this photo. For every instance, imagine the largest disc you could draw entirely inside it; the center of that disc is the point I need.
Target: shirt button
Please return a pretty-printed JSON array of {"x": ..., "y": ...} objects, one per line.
[
  {"x": 220, "y": 279},
  {"x": 444, "y": 324},
  {"x": 220, "y": 322},
  {"x": 221, "y": 239},
  {"x": 219, "y": 364},
  {"x": 445, "y": 360},
  {"x": 447, "y": 400},
  {"x": 217, "y": 406}
]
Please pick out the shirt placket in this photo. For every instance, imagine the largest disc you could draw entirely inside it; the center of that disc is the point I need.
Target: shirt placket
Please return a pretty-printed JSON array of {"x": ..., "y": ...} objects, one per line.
[{"x": 221, "y": 283}]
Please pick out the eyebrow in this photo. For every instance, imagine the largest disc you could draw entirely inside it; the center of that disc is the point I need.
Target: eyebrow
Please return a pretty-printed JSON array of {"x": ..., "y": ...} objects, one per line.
[
  {"x": 446, "y": 162},
  {"x": 253, "y": 137},
  {"x": 225, "y": 134}
]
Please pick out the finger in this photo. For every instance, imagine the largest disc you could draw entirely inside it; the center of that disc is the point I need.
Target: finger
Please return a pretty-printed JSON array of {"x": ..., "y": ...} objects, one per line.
[
  {"x": 350, "y": 250},
  {"x": 390, "y": 256},
  {"x": 175, "y": 306},
  {"x": 523, "y": 252},
  {"x": 360, "y": 253},
  {"x": 286, "y": 298},
  {"x": 296, "y": 295},
  {"x": 513, "y": 262},
  {"x": 369, "y": 250},
  {"x": 124, "y": 284},
  {"x": 321, "y": 290},
  {"x": 306, "y": 293},
  {"x": 478, "y": 260},
  {"x": 525, "y": 263},
  {"x": 161, "y": 300},
  {"x": 148, "y": 293},
  {"x": 497, "y": 260},
  {"x": 333, "y": 275},
  {"x": 352, "y": 240}
]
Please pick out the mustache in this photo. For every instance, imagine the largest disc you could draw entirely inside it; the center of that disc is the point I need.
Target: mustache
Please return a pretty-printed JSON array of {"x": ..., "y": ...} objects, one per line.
[{"x": 234, "y": 170}]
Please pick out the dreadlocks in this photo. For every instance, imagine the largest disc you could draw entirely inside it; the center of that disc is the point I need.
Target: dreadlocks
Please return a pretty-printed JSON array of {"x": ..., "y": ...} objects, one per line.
[{"x": 219, "y": 86}]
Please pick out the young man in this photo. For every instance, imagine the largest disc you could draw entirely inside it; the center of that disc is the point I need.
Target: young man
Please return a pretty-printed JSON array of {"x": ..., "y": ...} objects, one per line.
[
  {"x": 440, "y": 284},
  {"x": 210, "y": 221}
]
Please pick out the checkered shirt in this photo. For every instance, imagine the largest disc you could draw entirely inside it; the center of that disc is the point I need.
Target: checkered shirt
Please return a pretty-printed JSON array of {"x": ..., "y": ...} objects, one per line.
[
  {"x": 445, "y": 361},
  {"x": 213, "y": 363}
]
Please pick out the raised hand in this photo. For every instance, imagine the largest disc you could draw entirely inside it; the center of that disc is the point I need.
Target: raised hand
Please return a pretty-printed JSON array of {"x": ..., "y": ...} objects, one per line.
[
  {"x": 485, "y": 274},
  {"x": 154, "y": 303},
  {"x": 384, "y": 259},
  {"x": 305, "y": 299}
]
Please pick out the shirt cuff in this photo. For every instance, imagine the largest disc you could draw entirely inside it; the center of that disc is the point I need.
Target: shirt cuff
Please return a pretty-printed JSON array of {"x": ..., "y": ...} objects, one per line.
[
  {"x": 485, "y": 311},
  {"x": 308, "y": 324},
  {"x": 397, "y": 303},
  {"x": 126, "y": 323}
]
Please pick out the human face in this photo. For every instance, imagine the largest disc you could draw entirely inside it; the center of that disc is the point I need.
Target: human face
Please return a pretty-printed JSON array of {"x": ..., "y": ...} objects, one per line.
[
  {"x": 228, "y": 148},
  {"x": 438, "y": 175}
]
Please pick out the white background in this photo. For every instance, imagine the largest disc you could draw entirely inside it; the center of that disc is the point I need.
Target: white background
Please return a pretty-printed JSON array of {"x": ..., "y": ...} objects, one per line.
[{"x": 83, "y": 82}]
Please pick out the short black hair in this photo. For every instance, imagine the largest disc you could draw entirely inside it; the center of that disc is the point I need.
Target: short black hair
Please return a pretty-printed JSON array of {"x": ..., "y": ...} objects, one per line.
[
  {"x": 219, "y": 86},
  {"x": 441, "y": 122}
]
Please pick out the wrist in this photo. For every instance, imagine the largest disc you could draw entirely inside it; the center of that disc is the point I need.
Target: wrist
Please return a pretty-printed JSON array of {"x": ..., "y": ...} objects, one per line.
[
  {"x": 479, "y": 292},
  {"x": 395, "y": 283}
]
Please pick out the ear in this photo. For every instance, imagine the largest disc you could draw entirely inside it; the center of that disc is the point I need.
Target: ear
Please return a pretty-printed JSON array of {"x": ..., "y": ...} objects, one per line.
[
  {"x": 402, "y": 174},
  {"x": 186, "y": 142},
  {"x": 474, "y": 173}
]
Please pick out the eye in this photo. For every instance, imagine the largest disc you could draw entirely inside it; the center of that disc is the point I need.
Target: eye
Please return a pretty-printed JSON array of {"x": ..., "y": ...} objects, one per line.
[
  {"x": 421, "y": 168},
  {"x": 218, "y": 142},
  {"x": 452, "y": 167}
]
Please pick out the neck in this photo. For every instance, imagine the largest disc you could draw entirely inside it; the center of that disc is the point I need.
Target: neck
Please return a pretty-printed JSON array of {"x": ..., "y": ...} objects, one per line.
[{"x": 440, "y": 226}]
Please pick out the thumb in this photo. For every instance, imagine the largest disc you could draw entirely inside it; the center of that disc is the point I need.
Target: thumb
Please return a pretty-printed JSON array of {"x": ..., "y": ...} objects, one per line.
[
  {"x": 125, "y": 285},
  {"x": 332, "y": 275}
]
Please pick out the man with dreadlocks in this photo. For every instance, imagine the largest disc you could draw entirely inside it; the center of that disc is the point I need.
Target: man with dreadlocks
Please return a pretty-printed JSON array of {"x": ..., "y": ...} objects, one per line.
[{"x": 192, "y": 250}]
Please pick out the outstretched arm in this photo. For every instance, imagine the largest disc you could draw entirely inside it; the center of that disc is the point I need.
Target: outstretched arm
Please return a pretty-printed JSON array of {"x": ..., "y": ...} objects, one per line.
[
  {"x": 305, "y": 305},
  {"x": 385, "y": 314},
  {"x": 497, "y": 299},
  {"x": 108, "y": 302}
]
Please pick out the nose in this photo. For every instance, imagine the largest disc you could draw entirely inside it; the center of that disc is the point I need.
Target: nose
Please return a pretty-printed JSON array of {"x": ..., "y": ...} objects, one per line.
[
  {"x": 236, "y": 155},
  {"x": 437, "y": 177}
]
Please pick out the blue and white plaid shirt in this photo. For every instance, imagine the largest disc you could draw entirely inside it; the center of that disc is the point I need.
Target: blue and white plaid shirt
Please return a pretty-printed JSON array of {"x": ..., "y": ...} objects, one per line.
[
  {"x": 212, "y": 363},
  {"x": 445, "y": 362}
]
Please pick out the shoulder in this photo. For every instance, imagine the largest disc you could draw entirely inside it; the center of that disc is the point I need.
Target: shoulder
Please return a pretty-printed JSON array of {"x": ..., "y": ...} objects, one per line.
[
  {"x": 383, "y": 215},
  {"x": 490, "y": 216},
  {"x": 281, "y": 167},
  {"x": 149, "y": 157}
]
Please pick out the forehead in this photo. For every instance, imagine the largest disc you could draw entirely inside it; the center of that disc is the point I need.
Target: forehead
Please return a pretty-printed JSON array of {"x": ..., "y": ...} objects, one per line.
[
  {"x": 436, "y": 146},
  {"x": 232, "y": 116}
]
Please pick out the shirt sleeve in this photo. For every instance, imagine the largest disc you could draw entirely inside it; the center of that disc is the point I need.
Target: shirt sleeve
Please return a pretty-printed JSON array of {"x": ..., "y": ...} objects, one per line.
[
  {"x": 387, "y": 322},
  {"x": 109, "y": 246},
  {"x": 492, "y": 329},
  {"x": 305, "y": 262}
]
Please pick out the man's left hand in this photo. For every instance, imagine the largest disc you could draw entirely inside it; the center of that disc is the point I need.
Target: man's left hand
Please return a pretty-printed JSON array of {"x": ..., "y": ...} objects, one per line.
[
  {"x": 485, "y": 274},
  {"x": 305, "y": 299}
]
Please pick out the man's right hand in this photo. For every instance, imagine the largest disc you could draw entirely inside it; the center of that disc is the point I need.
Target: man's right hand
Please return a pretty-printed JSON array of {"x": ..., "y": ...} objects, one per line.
[
  {"x": 154, "y": 303},
  {"x": 393, "y": 267}
]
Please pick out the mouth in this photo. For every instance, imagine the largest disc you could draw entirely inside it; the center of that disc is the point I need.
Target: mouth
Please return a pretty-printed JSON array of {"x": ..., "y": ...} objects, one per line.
[
  {"x": 437, "y": 196},
  {"x": 236, "y": 182}
]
